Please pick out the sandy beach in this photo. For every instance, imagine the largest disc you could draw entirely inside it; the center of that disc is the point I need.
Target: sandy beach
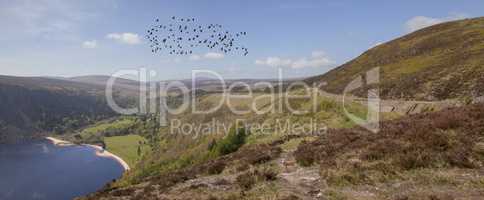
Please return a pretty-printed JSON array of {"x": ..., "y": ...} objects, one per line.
[
  {"x": 99, "y": 151},
  {"x": 58, "y": 142},
  {"x": 103, "y": 153}
]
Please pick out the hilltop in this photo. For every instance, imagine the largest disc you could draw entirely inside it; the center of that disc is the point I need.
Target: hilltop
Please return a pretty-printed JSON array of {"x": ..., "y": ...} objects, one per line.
[{"x": 439, "y": 62}]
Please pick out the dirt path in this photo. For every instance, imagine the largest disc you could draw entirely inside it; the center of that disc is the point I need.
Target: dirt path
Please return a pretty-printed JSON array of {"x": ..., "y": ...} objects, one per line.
[
  {"x": 302, "y": 182},
  {"x": 403, "y": 107}
]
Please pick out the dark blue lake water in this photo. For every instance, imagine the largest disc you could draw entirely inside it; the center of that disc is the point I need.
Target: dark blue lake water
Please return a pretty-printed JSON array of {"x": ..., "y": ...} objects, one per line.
[{"x": 40, "y": 170}]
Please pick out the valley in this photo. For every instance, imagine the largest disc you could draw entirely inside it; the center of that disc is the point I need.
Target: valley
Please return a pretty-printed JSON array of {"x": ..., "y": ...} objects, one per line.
[
  {"x": 403, "y": 120},
  {"x": 425, "y": 149}
]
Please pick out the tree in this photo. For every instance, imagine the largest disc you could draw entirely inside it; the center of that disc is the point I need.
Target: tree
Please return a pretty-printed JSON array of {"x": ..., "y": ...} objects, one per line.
[{"x": 232, "y": 142}]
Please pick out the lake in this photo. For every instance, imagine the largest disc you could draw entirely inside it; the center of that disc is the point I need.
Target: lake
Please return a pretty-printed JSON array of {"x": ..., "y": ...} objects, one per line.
[{"x": 41, "y": 170}]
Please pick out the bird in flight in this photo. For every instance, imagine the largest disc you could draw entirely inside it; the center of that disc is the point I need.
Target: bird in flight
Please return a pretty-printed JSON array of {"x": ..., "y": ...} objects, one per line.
[{"x": 182, "y": 36}]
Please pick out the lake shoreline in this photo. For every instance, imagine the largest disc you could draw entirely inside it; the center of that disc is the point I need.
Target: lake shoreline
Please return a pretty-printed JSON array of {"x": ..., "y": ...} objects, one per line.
[{"x": 99, "y": 151}]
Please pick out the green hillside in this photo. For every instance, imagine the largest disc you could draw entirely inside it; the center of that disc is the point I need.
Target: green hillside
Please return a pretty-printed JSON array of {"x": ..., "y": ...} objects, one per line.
[
  {"x": 439, "y": 62},
  {"x": 220, "y": 153},
  {"x": 423, "y": 156},
  {"x": 26, "y": 112},
  {"x": 34, "y": 106},
  {"x": 129, "y": 147}
]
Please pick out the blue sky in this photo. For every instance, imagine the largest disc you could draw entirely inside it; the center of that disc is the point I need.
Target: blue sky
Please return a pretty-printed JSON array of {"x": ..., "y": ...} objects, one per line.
[{"x": 85, "y": 37}]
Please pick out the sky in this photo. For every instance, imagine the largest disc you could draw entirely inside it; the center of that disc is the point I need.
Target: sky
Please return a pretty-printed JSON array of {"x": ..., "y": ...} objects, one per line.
[{"x": 302, "y": 38}]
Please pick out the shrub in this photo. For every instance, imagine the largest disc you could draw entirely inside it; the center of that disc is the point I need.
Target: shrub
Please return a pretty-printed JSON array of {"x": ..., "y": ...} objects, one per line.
[
  {"x": 232, "y": 142},
  {"x": 304, "y": 154},
  {"x": 216, "y": 168},
  {"x": 246, "y": 180},
  {"x": 242, "y": 167},
  {"x": 443, "y": 139},
  {"x": 269, "y": 174}
]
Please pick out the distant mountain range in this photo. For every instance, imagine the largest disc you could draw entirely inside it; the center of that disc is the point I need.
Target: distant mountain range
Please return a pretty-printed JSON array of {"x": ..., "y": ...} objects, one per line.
[
  {"x": 439, "y": 62},
  {"x": 36, "y": 105}
]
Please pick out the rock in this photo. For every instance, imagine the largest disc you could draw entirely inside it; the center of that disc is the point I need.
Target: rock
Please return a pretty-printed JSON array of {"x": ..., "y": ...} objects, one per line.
[{"x": 478, "y": 99}]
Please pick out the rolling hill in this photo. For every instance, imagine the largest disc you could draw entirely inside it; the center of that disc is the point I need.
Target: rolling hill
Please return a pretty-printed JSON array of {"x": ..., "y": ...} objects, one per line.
[
  {"x": 34, "y": 105},
  {"x": 443, "y": 61}
]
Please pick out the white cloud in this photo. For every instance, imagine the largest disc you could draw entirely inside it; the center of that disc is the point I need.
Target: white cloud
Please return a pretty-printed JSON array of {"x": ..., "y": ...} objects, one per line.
[
  {"x": 213, "y": 56},
  {"x": 194, "y": 57},
  {"x": 125, "y": 38},
  {"x": 419, "y": 22},
  {"x": 313, "y": 62},
  {"x": 274, "y": 62},
  {"x": 317, "y": 59},
  {"x": 89, "y": 44}
]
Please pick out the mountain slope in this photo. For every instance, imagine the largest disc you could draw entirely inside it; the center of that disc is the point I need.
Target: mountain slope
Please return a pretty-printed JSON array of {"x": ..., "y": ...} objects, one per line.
[
  {"x": 423, "y": 156},
  {"x": 34, "y": 105},
  {"x": 439, "y": 62},
  {"x": 126, "y": 86}
]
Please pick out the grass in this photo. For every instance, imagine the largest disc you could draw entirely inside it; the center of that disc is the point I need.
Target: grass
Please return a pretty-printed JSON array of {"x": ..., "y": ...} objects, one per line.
[
  {"x": 415, "y": 65},
  {"x": 173, "y": 172},
  {"x": 439, "y": 153},
  {"x": 126, "y": 147},
  {"x": 177, "y": 152},
  {"x": 334, "y": 195},
  {"x": 107, "y": 128},
  {"x": 173, "y": 153},
  {"x": 292, "y": 145}
]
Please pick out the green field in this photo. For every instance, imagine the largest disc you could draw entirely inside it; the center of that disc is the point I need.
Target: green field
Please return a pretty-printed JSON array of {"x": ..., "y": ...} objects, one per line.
[
  {"x": 126, "y": 147},
  {"x": 116, "y": 127}
]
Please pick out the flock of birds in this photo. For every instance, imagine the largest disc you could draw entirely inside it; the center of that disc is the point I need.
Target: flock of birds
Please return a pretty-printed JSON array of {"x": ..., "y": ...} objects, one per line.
[{"x": 183, "y": 35}]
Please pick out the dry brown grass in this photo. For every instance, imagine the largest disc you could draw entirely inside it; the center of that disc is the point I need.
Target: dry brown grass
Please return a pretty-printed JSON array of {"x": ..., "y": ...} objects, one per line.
[
  {"x": 436, "y": 152},
  {"x": 247, "y": 155},
  {"x": 431, "y": 140}
]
